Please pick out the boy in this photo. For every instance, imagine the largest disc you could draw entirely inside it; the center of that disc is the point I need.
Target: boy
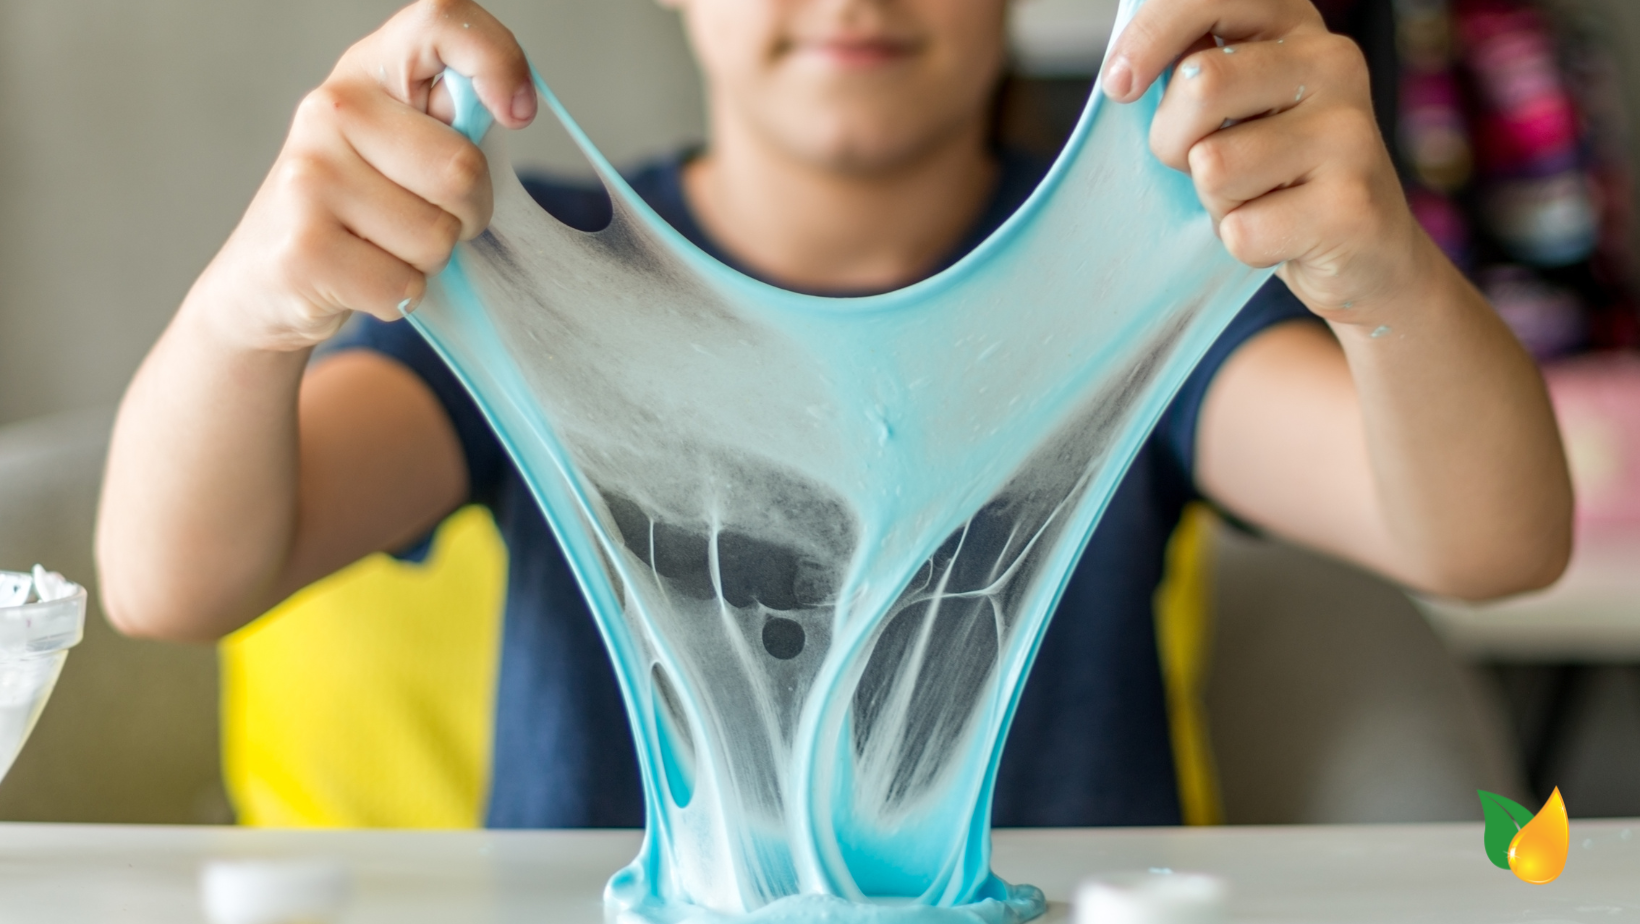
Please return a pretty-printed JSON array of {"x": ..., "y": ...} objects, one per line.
[{"x": 848, "y": 153}]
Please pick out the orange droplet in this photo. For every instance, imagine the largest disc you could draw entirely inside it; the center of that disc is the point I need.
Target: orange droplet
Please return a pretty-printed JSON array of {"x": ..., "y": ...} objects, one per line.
[{"x": 1538, "y": 852}]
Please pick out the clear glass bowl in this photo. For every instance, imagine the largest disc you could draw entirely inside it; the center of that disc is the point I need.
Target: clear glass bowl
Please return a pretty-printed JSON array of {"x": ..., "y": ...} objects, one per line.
[{"x": 34, "y": 643}]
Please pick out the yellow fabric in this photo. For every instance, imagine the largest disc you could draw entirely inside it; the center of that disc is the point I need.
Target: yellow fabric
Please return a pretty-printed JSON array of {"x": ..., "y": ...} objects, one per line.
[
  {"x": 367, "y": 699},
  {"x": 1184, "y": 624}
]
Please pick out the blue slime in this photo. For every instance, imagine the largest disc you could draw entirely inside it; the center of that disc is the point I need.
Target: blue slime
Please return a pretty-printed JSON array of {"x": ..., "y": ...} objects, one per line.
[{"x": 822, "y": 537}]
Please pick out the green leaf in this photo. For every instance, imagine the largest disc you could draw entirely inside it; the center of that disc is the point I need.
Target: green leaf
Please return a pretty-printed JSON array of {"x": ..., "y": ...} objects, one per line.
[{"x": 1504, "y": 817}]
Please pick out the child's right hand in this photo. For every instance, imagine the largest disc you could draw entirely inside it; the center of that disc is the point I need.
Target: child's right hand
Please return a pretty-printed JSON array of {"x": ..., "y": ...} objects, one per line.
[{"x": 373, "y": 188}]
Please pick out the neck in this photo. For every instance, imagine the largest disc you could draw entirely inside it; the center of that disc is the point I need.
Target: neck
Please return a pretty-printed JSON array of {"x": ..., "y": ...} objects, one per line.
[{"x": 809, "y": 226}]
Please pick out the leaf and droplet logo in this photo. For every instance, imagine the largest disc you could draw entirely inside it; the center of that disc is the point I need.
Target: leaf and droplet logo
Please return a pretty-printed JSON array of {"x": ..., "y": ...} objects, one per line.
[{"x": 1533, "y": 847}]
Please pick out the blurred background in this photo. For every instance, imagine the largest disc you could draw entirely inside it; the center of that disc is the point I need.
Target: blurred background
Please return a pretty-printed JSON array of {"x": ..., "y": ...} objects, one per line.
[{"x": 132, "y": 135}]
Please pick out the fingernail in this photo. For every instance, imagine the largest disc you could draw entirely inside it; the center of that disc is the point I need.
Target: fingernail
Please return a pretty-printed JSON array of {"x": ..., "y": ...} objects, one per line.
[
  {"x": 1119, "y": 79},
  {"x": 523, "y": 103},
  {"x": 407, "y": 306}
]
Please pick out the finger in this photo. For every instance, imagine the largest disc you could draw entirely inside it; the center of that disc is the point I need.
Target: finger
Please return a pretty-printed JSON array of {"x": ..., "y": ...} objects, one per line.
[
  {"x": 313, "y": 255},
  {"x": 1301, "y": 223},
  {"x": 1264, "y": 232},
  {"x": 1233, "y": 83},
  {"x": 1162, "y": 30},
  {"x": 1241, "y": 163},
  {"x": 339, "y": 270},
  {"x": 406, "y": 55},
  {"x": 422, "y": 155},
  {"x": 396, "y": 220},
  {"x": 1237, "y": 165}
]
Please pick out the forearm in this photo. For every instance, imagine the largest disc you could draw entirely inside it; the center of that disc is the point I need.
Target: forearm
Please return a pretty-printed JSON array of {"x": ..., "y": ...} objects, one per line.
[
  {"x": 199, "y": 500},
  {"x": 224, "y": 491},
  {"x": 1466, "y": 460}
]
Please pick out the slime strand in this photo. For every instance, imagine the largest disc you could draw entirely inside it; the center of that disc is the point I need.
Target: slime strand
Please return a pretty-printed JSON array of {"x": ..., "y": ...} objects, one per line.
[{"x": 822, "y": 537}]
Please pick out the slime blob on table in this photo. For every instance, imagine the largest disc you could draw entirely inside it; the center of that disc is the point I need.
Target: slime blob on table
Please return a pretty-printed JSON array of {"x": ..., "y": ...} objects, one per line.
[{"x": 822, "y": 537}]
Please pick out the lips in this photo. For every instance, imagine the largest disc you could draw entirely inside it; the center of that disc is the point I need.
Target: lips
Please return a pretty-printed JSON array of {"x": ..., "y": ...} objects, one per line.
[{"x": 853, "y": 53}]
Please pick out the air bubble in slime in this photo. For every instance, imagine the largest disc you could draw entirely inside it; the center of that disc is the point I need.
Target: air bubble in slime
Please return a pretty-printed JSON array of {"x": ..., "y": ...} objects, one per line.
[
  {"x": 822, "y": 537},
  {"x": 36, "y": 631}
]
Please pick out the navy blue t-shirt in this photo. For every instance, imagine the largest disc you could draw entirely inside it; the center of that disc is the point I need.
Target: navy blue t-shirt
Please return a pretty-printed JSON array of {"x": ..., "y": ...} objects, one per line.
[{"x": 1090, "y": 742}]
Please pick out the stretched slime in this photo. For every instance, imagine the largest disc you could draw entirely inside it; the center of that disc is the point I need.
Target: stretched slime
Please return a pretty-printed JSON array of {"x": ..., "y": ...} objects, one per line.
[{"x": 822, "y": 537}]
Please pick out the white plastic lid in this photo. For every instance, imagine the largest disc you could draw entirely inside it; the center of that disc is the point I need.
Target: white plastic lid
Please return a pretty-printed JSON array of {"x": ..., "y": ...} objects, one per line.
[
  {"x": 43, "y": 626},
  {"x": 1157, "y": 897},
  {"x": 273, "y": 891}
]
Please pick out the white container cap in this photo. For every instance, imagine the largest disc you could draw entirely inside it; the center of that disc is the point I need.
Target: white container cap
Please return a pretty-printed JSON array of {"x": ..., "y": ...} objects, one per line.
[
  {"x": 1159, "y": 897},
  {"x": 54, "y": 622},
  {"x": 273, "y": 891}
]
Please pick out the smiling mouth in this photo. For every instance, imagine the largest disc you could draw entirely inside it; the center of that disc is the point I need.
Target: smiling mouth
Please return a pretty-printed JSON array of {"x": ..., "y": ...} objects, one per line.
[{"x": 857, "y": 54}]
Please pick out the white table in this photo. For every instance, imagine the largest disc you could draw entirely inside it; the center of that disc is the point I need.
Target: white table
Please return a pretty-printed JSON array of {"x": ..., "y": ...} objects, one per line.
[{"x": 68, "y": 874}]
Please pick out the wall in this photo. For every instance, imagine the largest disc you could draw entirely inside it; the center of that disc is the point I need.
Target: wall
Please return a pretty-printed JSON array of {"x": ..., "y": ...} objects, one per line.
[
  {"x": 132, "y": 134},
  {"x": 1061, "y": 37}
]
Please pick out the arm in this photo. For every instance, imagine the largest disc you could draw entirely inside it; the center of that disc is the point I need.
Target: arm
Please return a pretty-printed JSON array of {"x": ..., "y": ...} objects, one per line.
[
  {"x": 1416, "y": 438},
  {"x": 234, "y": 478}
]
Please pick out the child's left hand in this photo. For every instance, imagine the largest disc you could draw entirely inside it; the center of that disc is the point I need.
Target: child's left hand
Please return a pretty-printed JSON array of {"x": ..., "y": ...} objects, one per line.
[
  {"x": 1303, "y": 178},
  {"x": 1419, "y": 440}
]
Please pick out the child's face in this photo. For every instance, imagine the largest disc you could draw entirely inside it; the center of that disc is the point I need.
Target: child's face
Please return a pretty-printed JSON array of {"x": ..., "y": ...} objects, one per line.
[{"x": 853, "y": 85}]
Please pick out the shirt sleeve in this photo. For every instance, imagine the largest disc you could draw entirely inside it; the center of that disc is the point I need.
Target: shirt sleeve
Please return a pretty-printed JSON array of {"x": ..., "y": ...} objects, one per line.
[
  {"x": 479, "y": 446},
  {"x": 1176, "y": 431}
]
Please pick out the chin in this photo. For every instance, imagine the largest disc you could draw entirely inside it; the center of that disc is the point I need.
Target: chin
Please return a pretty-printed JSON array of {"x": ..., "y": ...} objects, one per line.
[
  {"x": 862, "y": 146},
  {"x": 864, "y": 157}
]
